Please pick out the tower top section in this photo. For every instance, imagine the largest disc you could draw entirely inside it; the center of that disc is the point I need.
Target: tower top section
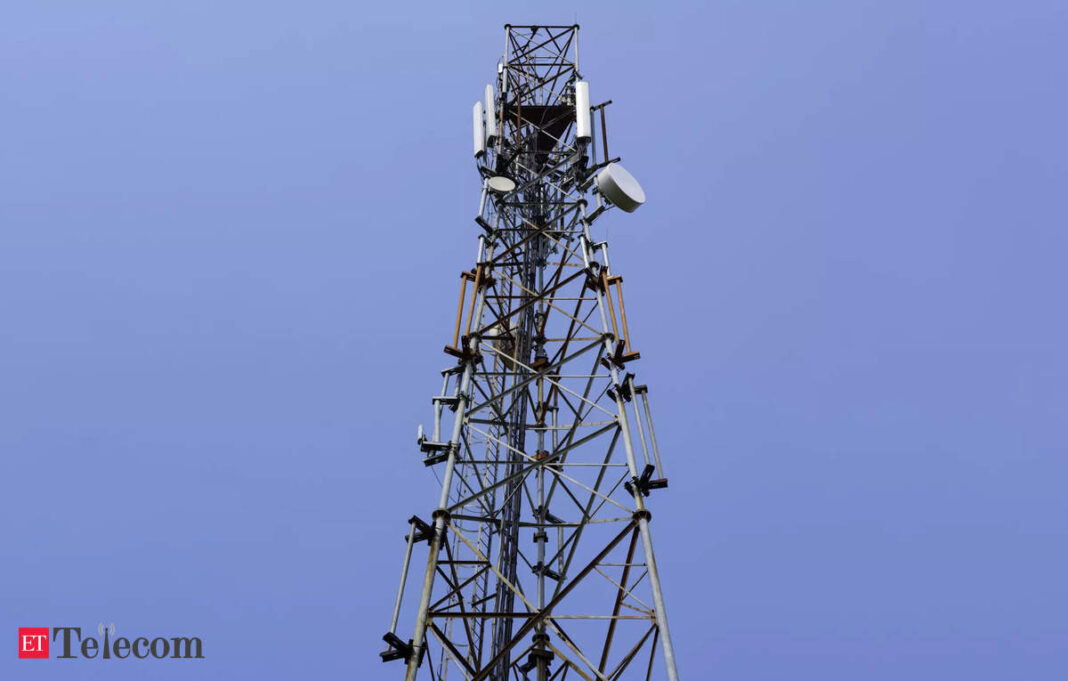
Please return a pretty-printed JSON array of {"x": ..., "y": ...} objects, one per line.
[
  {"x": 543, "y": 58},
  {"x": 535, "y": 125}
]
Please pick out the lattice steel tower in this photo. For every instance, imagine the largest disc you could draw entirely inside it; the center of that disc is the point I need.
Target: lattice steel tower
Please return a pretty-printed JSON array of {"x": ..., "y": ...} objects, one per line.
[{"x": 541, "y": 562}]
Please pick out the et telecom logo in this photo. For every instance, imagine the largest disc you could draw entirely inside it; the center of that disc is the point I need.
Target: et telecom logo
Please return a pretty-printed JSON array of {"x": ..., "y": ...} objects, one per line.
[{"x": 34, "y": 644}]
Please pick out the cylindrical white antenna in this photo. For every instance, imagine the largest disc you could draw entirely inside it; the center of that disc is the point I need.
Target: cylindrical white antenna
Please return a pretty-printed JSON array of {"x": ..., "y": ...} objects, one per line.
[
  {"x": 480, "y": 133},
  {"x": 491, "y": 117},
  {"x": 582, "y": 110}
]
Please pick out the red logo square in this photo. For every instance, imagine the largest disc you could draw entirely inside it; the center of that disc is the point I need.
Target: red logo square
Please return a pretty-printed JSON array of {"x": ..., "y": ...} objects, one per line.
[{"x": 33, "y": 642}]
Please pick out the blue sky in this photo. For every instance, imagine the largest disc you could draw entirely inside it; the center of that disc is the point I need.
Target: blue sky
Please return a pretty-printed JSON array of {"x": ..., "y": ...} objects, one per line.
[{"x": 229, "y": 241}]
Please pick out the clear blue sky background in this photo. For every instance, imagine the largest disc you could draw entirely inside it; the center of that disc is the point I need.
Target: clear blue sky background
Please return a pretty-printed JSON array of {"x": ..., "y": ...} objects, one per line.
[{"x": 230, "y": 234}]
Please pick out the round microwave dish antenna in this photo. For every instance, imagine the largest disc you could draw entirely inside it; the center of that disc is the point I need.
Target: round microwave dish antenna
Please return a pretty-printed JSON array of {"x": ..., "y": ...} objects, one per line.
[
  {"x": 501, "y": 184},
  {"x": 620, "y": 187}
]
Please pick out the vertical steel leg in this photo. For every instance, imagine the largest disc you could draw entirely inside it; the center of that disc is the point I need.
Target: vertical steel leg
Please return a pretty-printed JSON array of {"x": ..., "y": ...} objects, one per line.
[{"x": 639, "y": 503}]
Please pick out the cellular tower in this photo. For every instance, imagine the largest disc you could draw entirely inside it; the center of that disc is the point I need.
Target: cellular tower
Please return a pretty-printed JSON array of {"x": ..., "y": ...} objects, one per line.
[{"x": 540, "y": 562}]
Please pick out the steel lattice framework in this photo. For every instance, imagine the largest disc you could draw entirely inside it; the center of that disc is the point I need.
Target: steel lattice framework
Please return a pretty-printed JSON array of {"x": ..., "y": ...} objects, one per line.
[{"x": 540, "y": 560}]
